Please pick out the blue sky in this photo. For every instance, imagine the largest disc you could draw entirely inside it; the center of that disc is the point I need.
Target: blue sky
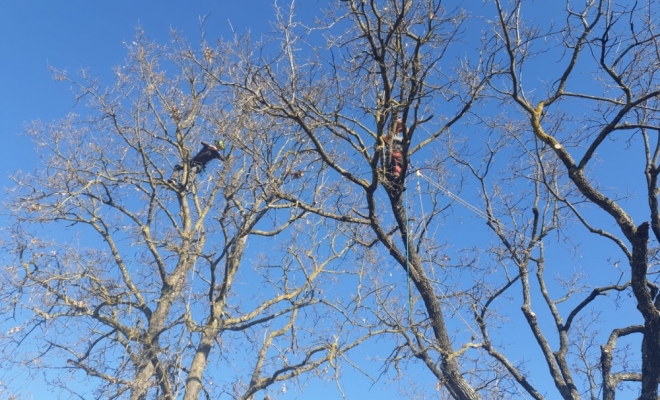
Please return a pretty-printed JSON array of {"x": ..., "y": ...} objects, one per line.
[
  {"x": 74, "y": 34},
  {"x": 77, "y": 34},
  {"x": 88, "y": 34}
]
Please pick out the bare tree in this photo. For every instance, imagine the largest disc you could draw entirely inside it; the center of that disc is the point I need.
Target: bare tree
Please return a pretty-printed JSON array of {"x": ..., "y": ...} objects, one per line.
[
  {"x": 145, "y": 285},
  {"x": 315, "y": 176},
  {"x": 385, "y": 60},
  {"x": 379, "y": 74},
  {"x": 561, "y": 141}
]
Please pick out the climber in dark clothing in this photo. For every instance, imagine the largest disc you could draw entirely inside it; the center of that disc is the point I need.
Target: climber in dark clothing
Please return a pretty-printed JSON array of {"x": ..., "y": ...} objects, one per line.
[{"x": 199, "y": 161}]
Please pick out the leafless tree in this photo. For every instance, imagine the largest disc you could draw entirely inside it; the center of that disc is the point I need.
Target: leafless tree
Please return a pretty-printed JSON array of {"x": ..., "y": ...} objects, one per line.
[
  {"x": 314, "y": 176},
  {"x": 384, "y": 60},
  {"x": 145, "y": 286},
  {"x": 380, "y": 63},
  {"x": 596, "y": 107}
]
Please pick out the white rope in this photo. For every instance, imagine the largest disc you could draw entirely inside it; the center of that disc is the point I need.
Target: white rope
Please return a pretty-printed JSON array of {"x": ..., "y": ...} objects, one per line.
[
  {"x": 199, "y": 232},
  {"x": 480, "y": 350},
  {"x": 192, "y": 285},
  {"x": 470, "y": 207}
]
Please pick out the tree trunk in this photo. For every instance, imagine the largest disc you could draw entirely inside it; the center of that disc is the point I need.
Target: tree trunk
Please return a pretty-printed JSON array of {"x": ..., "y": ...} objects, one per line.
[
  {"x": 453, "y": 378},
  {"x": 651, "y": 341}
]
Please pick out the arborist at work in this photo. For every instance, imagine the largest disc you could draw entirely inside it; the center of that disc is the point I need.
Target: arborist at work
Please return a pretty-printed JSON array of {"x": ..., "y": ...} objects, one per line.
[
  {"x": 198, "y": 163},
  {"x": 394, "y": 153}
]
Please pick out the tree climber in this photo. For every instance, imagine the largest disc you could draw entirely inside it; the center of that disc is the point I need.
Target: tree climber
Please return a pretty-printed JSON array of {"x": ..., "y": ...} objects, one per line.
[
  {"x": 394, "y": 153},
  {"x": 198, "y": 163}
]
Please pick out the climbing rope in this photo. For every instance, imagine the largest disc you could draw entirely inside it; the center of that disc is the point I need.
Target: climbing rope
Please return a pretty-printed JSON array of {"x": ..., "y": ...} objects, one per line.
[
  {"x": 192, "y": 284},
  {"x": 469, "y": 206},
  {"x": 442, "y": 292},
  {"x": 199, "y": 229},
  {"x": 410, "y": 319}
]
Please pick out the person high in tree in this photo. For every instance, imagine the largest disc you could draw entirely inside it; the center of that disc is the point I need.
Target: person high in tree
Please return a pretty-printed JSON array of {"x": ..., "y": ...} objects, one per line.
[
  {"x": 394, "y": 152},
  {"x": 198, "y": 163}
]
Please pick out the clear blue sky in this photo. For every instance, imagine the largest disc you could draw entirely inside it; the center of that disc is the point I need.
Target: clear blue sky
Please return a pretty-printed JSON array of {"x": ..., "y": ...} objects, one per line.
[{"x": 74, "y": 34}]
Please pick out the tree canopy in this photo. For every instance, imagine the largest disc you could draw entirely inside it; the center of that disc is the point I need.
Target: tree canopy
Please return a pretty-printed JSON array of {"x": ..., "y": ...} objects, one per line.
[{"x": 506, "y": 248}]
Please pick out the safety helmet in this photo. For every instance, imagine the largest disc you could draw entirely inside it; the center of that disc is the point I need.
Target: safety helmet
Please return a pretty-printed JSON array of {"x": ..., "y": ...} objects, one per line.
[{"x": 220, "y": 144}]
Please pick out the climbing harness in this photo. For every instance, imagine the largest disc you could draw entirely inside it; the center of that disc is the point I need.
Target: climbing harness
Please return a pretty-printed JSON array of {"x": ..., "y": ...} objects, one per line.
[{"x": 201, "y": 168}]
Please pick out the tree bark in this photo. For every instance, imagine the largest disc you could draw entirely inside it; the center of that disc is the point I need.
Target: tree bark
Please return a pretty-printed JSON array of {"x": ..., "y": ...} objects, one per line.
[
  {"x": 457, "y": 385},
  {"x": 651, "y": 340}
]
